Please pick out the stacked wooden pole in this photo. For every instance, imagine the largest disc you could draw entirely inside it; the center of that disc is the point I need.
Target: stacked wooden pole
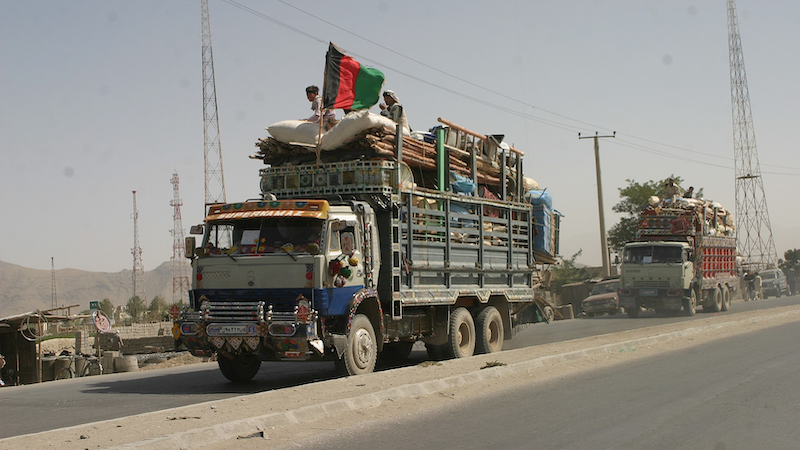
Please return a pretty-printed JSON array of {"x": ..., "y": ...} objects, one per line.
[{"x": 378, "y": 143}]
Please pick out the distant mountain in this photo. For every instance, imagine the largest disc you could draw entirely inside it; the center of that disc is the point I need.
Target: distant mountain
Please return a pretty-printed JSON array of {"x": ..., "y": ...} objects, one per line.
[{"x": 23, "y": 289}]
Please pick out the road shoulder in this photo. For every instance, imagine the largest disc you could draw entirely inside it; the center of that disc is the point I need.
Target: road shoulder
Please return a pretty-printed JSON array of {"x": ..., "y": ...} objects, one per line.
[{"x": 282, "y": 416}]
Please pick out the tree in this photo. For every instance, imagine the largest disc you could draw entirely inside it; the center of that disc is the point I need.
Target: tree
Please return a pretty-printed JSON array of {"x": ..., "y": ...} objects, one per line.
[
  {"x": 136, "y": 307},
  {"x": 792, "y": 261},
  {"x": 567, "y": 272},
  {"x": 107, "y": 307},
  {"x": 158, "y": 308},
  {"x": 634, "y": 198}
]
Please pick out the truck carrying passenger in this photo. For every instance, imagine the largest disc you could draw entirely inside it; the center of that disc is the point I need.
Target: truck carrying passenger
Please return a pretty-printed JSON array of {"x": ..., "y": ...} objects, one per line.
[
  {"x": 684, "y": 255},
  {"x": 363, "y": 245}
]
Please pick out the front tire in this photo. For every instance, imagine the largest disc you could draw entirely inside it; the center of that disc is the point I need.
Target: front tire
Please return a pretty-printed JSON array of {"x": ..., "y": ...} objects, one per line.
[
  {"x": 633, "y": 312},
  {"x": 240, "y": 368},
  {"x": 461, "y": 343},
  {"x": 690, "y": 304},
  {"x": 362, "y": 348},
  {"x": 489, "y": 326}
]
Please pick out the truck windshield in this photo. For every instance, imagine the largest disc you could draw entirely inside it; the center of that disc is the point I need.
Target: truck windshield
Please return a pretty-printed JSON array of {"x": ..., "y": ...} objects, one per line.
[
  {"x": 653, "y": 255},
  {"x": 260, "y": 236}
]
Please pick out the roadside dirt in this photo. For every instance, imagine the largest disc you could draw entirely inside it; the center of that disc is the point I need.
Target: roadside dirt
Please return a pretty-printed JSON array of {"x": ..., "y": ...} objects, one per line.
[{"x": 283, "y": 417}]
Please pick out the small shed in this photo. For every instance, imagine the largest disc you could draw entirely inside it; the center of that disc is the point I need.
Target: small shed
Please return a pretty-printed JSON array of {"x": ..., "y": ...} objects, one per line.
[{"x": 20, "y": 335}]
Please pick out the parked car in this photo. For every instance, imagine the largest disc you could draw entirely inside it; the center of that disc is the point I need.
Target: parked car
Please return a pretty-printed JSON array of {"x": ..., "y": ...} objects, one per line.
[
  {"x": 602, "y": 299},
  {"x": 773, "y": 282}
]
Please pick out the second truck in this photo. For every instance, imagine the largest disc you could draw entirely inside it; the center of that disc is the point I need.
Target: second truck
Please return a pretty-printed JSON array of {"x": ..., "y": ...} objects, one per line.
[{"x": 684, "y": 256}]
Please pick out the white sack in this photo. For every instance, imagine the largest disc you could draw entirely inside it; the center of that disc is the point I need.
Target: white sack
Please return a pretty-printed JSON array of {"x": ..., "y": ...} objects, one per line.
[
  {"x": 295, "y": 131},
  {"x": 351, "y": 125}
]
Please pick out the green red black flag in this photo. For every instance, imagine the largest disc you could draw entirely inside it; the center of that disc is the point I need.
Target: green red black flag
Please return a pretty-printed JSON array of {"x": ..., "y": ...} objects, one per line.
[{"x": 348, "y": 84}]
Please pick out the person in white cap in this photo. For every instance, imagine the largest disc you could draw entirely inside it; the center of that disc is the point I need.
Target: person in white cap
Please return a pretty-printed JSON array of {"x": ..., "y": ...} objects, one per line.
[{"x": 393, "y": 109}]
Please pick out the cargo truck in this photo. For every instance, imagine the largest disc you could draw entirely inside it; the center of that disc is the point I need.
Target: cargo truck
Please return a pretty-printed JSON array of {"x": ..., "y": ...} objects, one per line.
[
  {"x": 348, "y": 255},
  {"x": 684, "y": 256}
]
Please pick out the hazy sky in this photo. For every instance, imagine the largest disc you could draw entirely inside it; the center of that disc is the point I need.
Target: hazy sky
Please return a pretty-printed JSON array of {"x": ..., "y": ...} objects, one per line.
[{"x": 100, "y": 98}]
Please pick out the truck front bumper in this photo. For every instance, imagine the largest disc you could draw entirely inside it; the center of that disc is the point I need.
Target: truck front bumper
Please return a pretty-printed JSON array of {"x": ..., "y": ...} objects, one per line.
[
  {"x": 275, "y": 336},
  {"x": 667, "y": 299}
]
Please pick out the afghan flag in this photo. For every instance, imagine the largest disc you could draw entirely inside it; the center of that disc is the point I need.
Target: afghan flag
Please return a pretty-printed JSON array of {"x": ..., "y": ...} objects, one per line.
[{"x": 348, "y": 84}]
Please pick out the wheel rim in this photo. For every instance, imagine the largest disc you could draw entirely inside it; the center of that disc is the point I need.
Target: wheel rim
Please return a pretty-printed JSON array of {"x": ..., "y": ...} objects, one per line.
[
  {"x": 494, "y": 334},
  {"x": 464, "y": 337},
  {"x": 362, "y": 348}
]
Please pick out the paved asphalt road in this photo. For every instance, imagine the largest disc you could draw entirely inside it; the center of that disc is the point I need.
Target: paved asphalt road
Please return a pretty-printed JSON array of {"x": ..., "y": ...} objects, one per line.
[
  {"x": 740, "y": 393},
  {"x": 34, "y": 408}
]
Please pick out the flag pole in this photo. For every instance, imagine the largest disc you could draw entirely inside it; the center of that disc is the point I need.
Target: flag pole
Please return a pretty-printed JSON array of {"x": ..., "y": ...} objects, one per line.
[{"x": 321, "y": 114}]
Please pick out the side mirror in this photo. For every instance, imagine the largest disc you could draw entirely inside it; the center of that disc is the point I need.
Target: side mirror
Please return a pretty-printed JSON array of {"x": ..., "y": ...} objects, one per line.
[
  {"x": 196, "y": 229},
  {"x": 189, "y": 245}
]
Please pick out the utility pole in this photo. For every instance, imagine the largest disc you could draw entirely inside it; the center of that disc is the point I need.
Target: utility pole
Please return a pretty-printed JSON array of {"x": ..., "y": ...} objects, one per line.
[{"x": 603, "y": 238}]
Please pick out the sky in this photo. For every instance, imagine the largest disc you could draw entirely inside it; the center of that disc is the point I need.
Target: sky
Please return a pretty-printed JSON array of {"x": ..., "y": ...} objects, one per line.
[{"x": 102, "y": 98}]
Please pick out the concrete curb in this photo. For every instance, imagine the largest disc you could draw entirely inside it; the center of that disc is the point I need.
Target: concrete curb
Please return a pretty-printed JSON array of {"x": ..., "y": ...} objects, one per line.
[{"x": 257, "y": 426}]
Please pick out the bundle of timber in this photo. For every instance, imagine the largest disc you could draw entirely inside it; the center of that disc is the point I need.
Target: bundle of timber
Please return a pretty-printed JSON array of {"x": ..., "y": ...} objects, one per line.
[{"x": 365, "y": 136}]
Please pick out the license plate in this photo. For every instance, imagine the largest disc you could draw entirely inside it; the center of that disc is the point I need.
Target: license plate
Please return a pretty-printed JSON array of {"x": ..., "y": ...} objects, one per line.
[
  {"x": 648, "y": 292},
  {"x": 228, "y": 329}
]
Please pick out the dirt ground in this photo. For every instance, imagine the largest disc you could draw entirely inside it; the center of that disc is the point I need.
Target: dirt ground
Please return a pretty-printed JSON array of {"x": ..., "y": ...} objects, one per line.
[
  {"x": 173, "y": 359},
  {"x": 283, "y": 417}
]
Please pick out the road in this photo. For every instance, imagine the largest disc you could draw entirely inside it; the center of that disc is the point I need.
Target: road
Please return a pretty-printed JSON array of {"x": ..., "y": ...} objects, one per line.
[
  {"x": 34, "y": 408},
  {"x": 739, "y": 393}
]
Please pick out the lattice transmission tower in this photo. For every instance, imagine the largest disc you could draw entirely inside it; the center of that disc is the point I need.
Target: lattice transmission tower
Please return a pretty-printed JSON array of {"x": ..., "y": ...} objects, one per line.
[
  {"x": 138, "y": 266},
  {"x": 53, "y": 297},
  {"x": 754, "y": 232},
  {"x": 215, "y": 178},
  {"x": 180, "y": 280}
]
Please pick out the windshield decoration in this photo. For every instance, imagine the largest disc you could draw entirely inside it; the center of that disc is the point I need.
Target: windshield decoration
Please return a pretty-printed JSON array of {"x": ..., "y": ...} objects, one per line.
[
  {"x": 255, "y": 236},
  {"x": 283, "y": 208}
]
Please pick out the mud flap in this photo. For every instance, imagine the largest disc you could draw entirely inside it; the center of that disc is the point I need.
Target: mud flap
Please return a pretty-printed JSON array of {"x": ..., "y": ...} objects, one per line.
[{"x": 340, "y": 342}]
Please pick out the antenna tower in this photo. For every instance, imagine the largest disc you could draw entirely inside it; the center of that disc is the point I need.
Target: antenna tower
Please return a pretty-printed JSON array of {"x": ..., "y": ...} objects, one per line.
[
  {"x": 754, "y": 233},
  {"x": 180, "y": 281},
  {"x": 138, "y": 267},
  {"x": 53, "y": 299},
  {"x": 212, "y": 156}
]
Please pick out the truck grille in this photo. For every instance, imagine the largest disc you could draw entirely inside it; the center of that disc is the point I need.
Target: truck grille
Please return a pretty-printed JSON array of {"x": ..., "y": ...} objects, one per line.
[
  {"x": 234, "y": 311},
  {"x": 658, "y": 284}
]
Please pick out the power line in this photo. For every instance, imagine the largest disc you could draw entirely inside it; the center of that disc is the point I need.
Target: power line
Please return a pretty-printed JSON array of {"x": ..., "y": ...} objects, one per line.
[{"x": 555, "y": 124}]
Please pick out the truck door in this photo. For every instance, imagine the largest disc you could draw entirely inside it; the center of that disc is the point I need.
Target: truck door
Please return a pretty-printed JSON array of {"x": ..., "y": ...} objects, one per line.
[{"x": 346, "y": 267}]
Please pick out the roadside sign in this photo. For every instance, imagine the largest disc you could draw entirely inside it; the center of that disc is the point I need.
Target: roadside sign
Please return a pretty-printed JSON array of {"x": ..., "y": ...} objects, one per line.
[{"x": 94, "y": 305}]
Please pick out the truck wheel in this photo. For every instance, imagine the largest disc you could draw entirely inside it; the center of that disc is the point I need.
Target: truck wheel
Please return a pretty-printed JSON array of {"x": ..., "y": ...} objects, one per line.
[
  {"x": 717, "y": 297},
  {"x": 362, "y": 349},
  {"x": 489, "y": 326},
  {"x": 240, "y": 368},
  {"x": 726, "y": 298},
  {"x": 690, "y": 304},
  {"x": 633, "y": 311},
  {"x": 461, "y": 343}
]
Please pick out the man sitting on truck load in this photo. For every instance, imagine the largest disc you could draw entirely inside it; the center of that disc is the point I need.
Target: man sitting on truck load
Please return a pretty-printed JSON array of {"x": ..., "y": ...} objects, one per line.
[
  {"x": 672, "y": 191},
  {"x": 329, "y": 116},
  {"x": 393, "y": 109}
]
